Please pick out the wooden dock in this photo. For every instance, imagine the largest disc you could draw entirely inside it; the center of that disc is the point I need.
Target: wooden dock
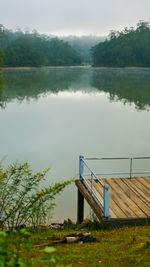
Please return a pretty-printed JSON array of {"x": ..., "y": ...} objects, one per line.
[
  {"x": 129, "y": 198},
  {"x": 115, "y": 201}
]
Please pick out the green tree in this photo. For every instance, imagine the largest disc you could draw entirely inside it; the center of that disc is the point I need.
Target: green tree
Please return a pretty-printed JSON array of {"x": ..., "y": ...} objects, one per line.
[
  {"x": 130, "y": 47},
  {"x": 33, "y": 49}
]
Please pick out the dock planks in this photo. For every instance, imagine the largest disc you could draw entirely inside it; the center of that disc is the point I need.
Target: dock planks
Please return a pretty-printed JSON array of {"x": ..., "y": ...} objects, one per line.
[{"x": 129, "y": 197}]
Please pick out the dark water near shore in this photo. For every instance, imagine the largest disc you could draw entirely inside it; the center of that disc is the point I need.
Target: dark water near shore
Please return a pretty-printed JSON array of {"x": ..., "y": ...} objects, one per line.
[{"x": 50, "y": 116}]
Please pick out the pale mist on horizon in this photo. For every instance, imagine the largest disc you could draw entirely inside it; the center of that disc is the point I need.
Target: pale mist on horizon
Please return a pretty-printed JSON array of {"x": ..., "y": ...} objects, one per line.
[{"x": 70, "y": 17}]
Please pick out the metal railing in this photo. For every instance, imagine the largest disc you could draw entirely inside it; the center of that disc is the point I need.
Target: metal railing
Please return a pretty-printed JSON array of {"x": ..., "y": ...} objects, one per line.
[
  {"x": 105, "y": 203},
  {"x": 92, "y": 175}
]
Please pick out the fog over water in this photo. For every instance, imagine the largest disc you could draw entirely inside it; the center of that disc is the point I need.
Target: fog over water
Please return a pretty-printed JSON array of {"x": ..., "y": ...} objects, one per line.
[
  {"x": 64, "y": 17},
  {"x": 50, "y": 116}
]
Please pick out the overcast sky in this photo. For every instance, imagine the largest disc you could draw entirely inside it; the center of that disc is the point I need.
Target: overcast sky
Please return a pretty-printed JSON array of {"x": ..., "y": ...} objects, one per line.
[{"x": 76, "y": 17}]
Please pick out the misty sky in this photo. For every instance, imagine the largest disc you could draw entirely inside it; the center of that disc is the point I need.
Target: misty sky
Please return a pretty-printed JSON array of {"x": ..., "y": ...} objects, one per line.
[{"x": 76, "y": 17}]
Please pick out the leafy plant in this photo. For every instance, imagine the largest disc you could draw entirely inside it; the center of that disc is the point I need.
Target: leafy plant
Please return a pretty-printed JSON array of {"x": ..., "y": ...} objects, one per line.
[
  {"x": 21, "y": 201},
  {"x": 10, "y": 248},
  {"x": 129, "y": 47},
  {"x": 49, "y": 250}
]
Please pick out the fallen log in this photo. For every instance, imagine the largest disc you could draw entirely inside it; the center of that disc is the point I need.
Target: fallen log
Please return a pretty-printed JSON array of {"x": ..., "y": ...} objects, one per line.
[{"x": 70, "y": 239}]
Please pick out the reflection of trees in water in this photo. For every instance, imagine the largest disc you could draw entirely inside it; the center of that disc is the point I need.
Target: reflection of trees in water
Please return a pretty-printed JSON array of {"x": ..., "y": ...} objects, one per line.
[
  {"x": 126, "y": 85},
  {"x": 2, "y": 102},
  {"x": 27, "y": 84}
]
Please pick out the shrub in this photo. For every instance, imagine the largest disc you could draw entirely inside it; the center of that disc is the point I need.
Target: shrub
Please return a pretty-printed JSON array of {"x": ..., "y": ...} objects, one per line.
[
  {"x": 21, "y": 201},
  {"x": 15, "y": 246},
  {"x": 11, "y": 248}
]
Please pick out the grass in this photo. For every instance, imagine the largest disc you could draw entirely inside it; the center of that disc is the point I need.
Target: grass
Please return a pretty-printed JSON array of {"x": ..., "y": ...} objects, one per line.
[{"x": 127, "y": 246}]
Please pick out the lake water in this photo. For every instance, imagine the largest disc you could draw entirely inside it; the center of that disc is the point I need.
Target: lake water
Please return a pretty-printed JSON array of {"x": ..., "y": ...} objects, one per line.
[{"x": 50, "y": 116}]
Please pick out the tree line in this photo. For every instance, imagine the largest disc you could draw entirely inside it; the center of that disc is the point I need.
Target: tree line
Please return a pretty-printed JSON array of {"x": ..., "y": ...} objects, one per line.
[
  {"x": 32, "y": 49},
  {"x": 130, "y": 47}
]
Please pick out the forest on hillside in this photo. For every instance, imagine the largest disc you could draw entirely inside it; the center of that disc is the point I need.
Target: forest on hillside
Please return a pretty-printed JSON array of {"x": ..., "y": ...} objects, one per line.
[
  {"x": 23, "y": 48},
  {"x": 130, "y": 47},
  {"x": 32, "y": 49}
]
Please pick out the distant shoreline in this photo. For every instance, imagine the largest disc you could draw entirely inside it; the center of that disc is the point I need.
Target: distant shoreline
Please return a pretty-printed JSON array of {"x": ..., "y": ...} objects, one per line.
[
  {"x": 80, "y": 66},
  {"x": 125, "y": 67},
  {"x": 26, "y": 68}
]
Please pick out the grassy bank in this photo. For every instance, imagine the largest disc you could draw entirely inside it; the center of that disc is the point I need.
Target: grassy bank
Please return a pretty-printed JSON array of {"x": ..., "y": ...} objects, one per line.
[{"x": 127, "y": 246}]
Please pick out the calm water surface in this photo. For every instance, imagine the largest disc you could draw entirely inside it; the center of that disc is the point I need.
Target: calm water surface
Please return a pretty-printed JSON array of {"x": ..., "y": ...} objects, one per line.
[{"x": 50, "y": 116}]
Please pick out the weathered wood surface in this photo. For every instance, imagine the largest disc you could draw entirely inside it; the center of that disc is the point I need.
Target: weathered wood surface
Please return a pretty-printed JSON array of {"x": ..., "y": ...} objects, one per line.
[
  {"x": 80, "y": 212},
  {"x": 92, "y": 202},
  {"x": 129, "y": 198}
]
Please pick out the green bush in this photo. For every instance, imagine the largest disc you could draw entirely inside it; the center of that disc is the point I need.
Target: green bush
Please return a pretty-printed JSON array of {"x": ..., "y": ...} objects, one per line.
[
  {"x": 21, "y": 201},
  {"x": 11, "y": 246}
]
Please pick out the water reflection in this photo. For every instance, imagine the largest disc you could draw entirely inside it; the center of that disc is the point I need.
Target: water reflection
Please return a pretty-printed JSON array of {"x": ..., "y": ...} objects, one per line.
[
  {"x": 2, "y": 103},
  {"x": 125, "y": 85},
  {"x": 27, "y": 84}
]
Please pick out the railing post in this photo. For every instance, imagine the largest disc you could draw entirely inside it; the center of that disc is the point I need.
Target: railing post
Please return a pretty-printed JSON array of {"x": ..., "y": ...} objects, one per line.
[
  {"x": 81, "y": 167},
  {"x": 130, "y": 167},
  {"x": 91, "y": 183},
  {"x": 106, "y": 201}
]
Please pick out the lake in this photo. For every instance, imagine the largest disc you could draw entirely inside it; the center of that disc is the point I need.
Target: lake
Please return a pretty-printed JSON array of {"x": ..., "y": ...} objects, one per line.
[{"x": 50, "y": 116}]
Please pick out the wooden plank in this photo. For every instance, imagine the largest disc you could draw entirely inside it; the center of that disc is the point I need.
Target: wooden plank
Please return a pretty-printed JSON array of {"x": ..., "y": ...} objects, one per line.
[
  {"x": 114, "y": 203},
  {"x": 115, "y": 196},
  {"x": 100, "y": 196},
  {"x": 132, "y": 200},
  {"x": 142, "y": 187},
  {"x": 88, "y": 189},
  {"x": 115, "y": 210},
  {"x": 123, "y": 200},
  {"x": 99, "y": 193},
  {"x": 135, "y": 195},
  {"x": 89, "y": 199},
  {"x": 125, "y": 222},
  {"x": 134, "y": 209},
  {"x": 147, "y": 179},
  {"x": 145, "y": 183},
  {"x": 138, "y": 189}
]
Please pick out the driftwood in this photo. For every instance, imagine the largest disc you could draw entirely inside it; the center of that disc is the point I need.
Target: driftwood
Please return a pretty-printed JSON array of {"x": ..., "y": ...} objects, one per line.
[{"x": 70, "y": 239}]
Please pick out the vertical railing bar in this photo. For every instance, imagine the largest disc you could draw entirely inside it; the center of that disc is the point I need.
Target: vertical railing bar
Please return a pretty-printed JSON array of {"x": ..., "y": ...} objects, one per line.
[
  {"x": 106, "y": 201},
  {"x": 91, "y": 183},
  {"x": 81, "y": 167},
  {"x": 131, "y": 167}
]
